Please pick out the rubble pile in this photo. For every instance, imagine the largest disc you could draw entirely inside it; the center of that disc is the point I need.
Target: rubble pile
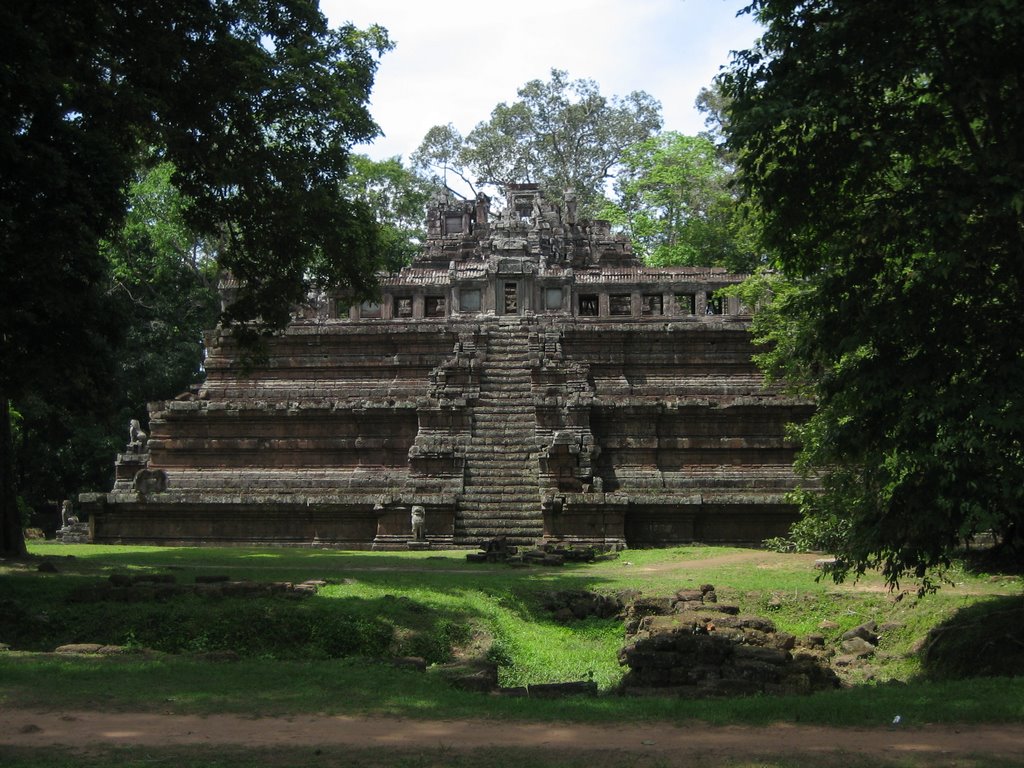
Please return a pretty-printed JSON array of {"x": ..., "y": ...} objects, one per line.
[{"x": 692, "y": 646}]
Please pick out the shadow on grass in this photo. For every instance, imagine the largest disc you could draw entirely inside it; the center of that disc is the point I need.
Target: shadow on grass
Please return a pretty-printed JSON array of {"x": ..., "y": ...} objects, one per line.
[{"x": 985, "y": 639}]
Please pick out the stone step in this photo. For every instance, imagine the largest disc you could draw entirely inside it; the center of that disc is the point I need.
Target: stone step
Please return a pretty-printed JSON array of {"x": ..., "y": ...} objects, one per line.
[
  {"x": 497, "y": 418},
  {"x": 480, "y": 526},
  {"x": 505, "y": 487},
  {"x": 506, "y": 473},
  {"x": 485, "y": 495},
  {"x": 521, "y": 537},
  {"x": 484, "y": 515},
  {"x": 517, "y": 439},
  {"x": 509, "y": 515},
  {"x": 503, "y": 476},
  {"x": 507, "y": 512},
  {"x": 495, "y": 505},
  {"x": 489, "y": 462},
  {"x": 482, "y": 485},
  {"x": 487, "y": 491},
  {"x": 521, "y": 448},
  {"x": 496, "y": 451},
  {"x": 502, "y": 487},
  {"x": 502, "y": 416},
  {"x": 498, "y": 463}
]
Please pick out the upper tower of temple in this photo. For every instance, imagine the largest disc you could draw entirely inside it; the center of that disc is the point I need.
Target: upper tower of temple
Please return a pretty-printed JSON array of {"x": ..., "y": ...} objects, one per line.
[{"x": 530, "y": 228}]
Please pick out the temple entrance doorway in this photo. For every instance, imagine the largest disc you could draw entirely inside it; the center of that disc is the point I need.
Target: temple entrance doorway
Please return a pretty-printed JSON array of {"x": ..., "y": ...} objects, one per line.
[{"x": 510, "y": 299}]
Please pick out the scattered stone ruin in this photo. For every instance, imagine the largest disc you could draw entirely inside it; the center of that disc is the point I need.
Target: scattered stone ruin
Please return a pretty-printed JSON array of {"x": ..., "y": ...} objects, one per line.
[
  {"x": 692, "y": 646},
  {"x": 526, "y": 377}
]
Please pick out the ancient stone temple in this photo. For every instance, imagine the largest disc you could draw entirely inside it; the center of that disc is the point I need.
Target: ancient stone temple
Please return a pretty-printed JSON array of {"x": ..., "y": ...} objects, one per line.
[{"x": 526, "y": 377}]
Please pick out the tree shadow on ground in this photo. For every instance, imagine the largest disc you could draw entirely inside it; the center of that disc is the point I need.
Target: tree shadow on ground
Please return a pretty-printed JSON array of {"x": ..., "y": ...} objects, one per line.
[{"x": 985, "y": 639}]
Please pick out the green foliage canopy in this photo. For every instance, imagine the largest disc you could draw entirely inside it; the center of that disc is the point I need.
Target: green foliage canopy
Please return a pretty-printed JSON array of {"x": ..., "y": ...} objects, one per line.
[
  {"x": 885, "y": 144},
  {"x": 561, "y": 133},
  {"x": 398, "y": 197},
  {"x": 255, "y": 103},
  {"x": 674, "y": 201}
]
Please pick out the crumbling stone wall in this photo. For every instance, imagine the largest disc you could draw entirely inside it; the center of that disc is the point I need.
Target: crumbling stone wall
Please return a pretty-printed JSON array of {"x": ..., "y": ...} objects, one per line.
[{"x": 693, "y": 646}]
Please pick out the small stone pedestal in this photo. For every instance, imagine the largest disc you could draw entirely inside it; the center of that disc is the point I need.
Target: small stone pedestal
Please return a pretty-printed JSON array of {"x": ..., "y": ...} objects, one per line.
[
  {"x": 74, "y": 533},
  {"x": 417, "y": 546}
]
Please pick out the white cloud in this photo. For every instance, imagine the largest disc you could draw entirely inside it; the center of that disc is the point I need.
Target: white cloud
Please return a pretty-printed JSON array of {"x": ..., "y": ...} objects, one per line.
[{"x": 454, "y": 63}]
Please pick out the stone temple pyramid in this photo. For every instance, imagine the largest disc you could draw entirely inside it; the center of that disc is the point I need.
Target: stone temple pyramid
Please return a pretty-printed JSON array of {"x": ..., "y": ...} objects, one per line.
[{"x": 525, "y": 377}]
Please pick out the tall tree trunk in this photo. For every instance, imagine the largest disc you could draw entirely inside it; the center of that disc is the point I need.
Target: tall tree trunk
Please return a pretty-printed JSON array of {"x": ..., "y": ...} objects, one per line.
[{"x": 12, "y": 538}]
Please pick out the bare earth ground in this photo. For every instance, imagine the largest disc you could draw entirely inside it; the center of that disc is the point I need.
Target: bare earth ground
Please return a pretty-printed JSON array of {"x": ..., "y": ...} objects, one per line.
[{"x": 926, "y": 745}]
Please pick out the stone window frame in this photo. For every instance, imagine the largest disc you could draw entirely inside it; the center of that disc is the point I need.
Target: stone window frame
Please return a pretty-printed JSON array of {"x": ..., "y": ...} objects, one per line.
[
  {"x": 435, "y": 305},
  {"x": 371, "y": 310},
  {"x": 617, "y": 302},
  {"x": 588, "y": 305},
  {"x": 548, "y": 293},
  {"x": 463, "y": 293},
  {"x": 453, "y": 223},
  {"x": 396, "y": 305},
  {"x": 686, "y": 303},
  {"x": 510, "y": 290},
  {"x": 648, "y": 302},
  {"x": 714, "y": 304}
]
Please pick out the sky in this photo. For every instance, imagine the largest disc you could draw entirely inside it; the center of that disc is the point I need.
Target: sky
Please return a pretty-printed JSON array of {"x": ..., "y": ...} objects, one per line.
[{"x": 454, "y": 62}]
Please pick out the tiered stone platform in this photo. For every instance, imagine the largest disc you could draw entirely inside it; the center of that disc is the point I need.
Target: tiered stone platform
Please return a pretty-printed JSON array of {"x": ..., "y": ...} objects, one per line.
[{"x": 526, "y": 378}]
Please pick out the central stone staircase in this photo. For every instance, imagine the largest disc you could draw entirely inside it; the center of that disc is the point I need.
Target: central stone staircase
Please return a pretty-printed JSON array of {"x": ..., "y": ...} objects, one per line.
[{"x": 501, "y": 495}]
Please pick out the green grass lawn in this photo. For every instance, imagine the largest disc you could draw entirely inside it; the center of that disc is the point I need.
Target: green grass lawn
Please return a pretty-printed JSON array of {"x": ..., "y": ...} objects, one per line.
[{"x": 326, "y": 653}]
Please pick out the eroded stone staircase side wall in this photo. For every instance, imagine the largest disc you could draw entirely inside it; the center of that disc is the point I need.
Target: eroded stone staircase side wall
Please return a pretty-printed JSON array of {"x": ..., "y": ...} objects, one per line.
[{"x": 689, "y": 444}]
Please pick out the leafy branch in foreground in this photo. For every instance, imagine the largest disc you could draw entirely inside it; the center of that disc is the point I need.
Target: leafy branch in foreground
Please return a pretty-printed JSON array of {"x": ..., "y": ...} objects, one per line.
[{"x": 884, "y": 144}]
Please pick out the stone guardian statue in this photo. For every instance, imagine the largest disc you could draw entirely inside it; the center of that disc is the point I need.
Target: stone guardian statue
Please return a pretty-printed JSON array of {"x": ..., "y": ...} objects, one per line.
[{"x": 419, "y": 523}]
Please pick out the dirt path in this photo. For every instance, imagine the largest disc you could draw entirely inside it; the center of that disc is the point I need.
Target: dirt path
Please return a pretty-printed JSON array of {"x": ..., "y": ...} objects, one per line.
[{"x": 926, "y": 745}]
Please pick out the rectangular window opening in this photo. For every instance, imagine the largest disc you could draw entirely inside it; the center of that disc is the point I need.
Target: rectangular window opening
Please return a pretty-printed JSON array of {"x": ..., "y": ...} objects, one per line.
[
  {"x": 714, "y": 304},
  {"x": 620, "y": 304},
  {"x": 588, "y": 304},
  {"x": 403, "y": 306},
  {"x": 511, "y": 299},
  {"x": 434, "y": 306},
  {"x": 552, "y": 298},
  {"x": 453, "y": 224},
  {"x": 469, "y": 300},
  {"x": 652, "y": 304},
  {"x": 687, "y": 303}
]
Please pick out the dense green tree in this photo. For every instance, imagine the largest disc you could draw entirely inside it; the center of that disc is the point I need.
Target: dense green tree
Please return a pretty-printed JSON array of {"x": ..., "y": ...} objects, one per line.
[
  {"x": 161, "y": 287},
  {"x": 562, "y": 134},
  {"x": 885, "y": 144},
  {"x": 673, "y": 199},
  {"x": 255, "y": 103},
  {"x": 164, "y": 278},
  {"x": 714, "y": 104},
  {"x": 398, "y": 197}
]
